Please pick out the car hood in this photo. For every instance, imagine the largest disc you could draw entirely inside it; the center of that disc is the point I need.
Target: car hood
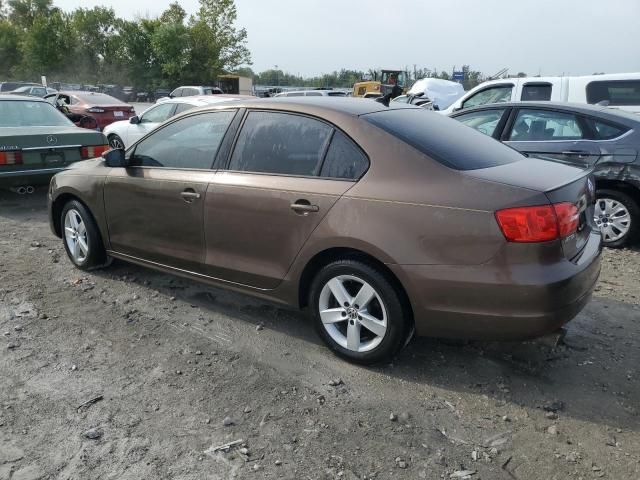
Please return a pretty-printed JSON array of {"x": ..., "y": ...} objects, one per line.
[{"x": 118, "y": 124}]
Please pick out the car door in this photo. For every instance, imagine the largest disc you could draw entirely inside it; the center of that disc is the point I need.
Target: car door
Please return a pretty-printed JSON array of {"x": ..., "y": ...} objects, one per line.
[
  {"x": 558, "y": 135},
  {"x": 154, "y": 207},
  {"x": 149, "y": 120},
  {"x": 262, "y": 208}
]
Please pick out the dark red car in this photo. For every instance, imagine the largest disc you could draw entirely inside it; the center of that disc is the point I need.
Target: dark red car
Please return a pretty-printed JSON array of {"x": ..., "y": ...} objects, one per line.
[{"x": 104, "y": 108}]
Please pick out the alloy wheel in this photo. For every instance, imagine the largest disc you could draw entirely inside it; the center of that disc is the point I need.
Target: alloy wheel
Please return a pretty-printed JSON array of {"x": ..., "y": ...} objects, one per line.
[
  {"x": 75, "y": 233},
  {"x": 116, "y": 143},
  {"x": 613, "y": 219},
  {"x": 353, "y": 313}
]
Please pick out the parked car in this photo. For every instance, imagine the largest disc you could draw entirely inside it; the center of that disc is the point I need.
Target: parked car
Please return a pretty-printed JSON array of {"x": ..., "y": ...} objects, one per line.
[
  {"x": 620, "y": 90},
  {"x": 312, "y": 93},
  {"x": 441, "y": 92},
  {"x": 37, "y": 141},
  {"x": 33, "y": 91},
  {"x": 419, "y": 100},
  {"x": 598, "y": 138},
  {"x": 191, "y": 92},
  {"x": 159, "y": 94},
  {"x": 10, "y": 86},
  {"x": 124, "y": 133},
  {"x": 380, "y": 220},
  {"x": 104, "y": 108}
]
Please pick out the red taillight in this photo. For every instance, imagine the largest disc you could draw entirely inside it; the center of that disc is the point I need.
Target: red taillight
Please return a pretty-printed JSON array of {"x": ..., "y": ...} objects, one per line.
[
  {"x": 568, "y": 218},
  {"x": 93, "y": 152},
  {"x": 538, "y": 224},
  {"x": 13, "y": 157}
]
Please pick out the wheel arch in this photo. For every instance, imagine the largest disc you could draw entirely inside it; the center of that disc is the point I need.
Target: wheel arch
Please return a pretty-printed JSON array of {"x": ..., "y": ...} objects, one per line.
[
  {"x": 619, "y": 185},
  {"x": 57, "y": 205},
  {"x": 324, "y": 257}
]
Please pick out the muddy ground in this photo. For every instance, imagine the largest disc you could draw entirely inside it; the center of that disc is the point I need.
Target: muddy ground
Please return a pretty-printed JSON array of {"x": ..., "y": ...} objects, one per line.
[{"x": 131, "y": 374}]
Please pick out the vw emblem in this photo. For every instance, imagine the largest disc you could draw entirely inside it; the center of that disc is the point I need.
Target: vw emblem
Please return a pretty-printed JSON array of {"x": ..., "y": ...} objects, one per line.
[{"x": 51, "y": 140}]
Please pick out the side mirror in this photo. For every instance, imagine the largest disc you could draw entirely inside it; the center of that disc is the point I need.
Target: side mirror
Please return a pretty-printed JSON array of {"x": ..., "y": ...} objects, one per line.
[
  {"x": 134, "y": 120},
  {"x": 115, "y": 158},
  {"x": 171, "y": 95}
]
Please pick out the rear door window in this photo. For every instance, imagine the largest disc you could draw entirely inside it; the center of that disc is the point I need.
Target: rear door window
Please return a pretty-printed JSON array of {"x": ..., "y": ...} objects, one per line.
[
  {"x": 280, "y": 143},
  {"x": 614, "y": 92},
  {"x": 533, "y": 92},
  {"x": 314, "y": 94},
  {"x": 344, "y": 159},
  {"x": 495, "y": 94},
  {"x": 485, "y": 121},
  {"x": 543, "y": 125}
]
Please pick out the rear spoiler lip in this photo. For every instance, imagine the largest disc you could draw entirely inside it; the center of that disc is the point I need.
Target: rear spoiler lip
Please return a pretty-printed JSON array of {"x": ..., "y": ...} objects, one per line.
[{"x": 583, "y": 173}]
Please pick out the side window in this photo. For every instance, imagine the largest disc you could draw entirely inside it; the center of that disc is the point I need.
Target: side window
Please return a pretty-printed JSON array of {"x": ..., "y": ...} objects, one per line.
[
  {"x": 614, "y": 92},
  {"x": 536, "y": 92},
  {"x": 497, "y": 94},
  {"x": 72, "y": 100},
  {"x": 176, "y": 93},
  {"x": 158, "y": 114},
  {"x": 344, "y": 159},
  {"x": 541, "y": 125},
  {"x": 280, "y": 143},
  {"x": 183, "y": 107},
  {"x": 191, "y": 142},
  {"x": 295, "y": 94},
  {"x": 485, "y": 121},
  {"x": 313, "y": 94},
  {"x": 189, "y": 92},
  {"x": 606, "y": 131}
]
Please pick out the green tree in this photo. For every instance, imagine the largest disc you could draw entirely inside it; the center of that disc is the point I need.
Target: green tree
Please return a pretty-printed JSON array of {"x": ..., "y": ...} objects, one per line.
[
  {"x": 94, "y": 31},
  {"x": 23, "y": 13},
  {"x": 46, "y": 45},
  {"x": 170, "y": 43},
  {"x": 9, "y": 47},
  {"x": 215, "y": 44}
]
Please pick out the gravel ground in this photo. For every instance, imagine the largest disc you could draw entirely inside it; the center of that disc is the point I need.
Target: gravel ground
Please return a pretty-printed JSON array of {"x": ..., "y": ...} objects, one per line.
[{"x": 130, "y": 374}]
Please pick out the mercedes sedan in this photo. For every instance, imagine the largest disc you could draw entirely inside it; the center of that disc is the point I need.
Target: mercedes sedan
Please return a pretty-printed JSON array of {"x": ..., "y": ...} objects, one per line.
[{"x": 382, "y": 221}]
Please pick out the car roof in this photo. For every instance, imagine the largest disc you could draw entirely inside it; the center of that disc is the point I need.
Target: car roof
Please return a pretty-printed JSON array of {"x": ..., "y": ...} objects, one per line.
[
  {"x": 344, "y": 105},
  {"x": 23, "y": 98},
  {"x": 586, "y": 109},
  {"x": 203, "y": 100}
]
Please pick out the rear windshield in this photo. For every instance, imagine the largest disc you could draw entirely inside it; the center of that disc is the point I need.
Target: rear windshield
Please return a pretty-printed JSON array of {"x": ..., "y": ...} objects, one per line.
[
  {"x": 98, "y": 99},
  {"x": 615, "y": 92},
  {"x": 31, "y": 114},
  {"x": 445, "y": 140}
]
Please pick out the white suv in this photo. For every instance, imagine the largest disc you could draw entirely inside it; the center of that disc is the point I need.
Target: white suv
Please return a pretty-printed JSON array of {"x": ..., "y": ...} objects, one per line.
[{"x": 619, "y": 90}]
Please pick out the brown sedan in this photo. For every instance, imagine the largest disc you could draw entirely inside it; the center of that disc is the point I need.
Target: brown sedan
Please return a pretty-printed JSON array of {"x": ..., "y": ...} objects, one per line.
[{"x": 381, "y": 220}]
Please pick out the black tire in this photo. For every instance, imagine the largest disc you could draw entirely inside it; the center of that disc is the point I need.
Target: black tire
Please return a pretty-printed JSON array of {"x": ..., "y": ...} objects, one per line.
[
  {"x": 399, "y": 324},
  {"x": 634, "y": 212},
  {"x": 115, "y": 141},
  {"x": 96, "y": 256}
]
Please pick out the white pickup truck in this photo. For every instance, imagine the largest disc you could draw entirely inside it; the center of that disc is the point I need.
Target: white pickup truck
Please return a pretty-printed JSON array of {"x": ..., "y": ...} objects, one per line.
[{"x": 619, "y": 90}]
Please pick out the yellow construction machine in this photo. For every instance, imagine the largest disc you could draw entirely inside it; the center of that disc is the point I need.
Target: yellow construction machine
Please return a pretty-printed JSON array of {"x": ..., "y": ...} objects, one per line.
[{"x": 381, "y": 84}]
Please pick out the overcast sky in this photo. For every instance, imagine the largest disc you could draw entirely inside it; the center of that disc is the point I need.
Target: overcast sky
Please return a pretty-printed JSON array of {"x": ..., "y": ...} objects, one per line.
[{"x": 309, "y": 37}]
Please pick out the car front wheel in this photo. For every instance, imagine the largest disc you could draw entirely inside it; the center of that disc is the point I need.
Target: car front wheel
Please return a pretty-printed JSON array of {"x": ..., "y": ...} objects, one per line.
[
  {"x": 358, "y": 312},
  {"x": 81, "y": 237},
  {"x": 617, "y": 215},
  {"x": 116, "y": 142}
]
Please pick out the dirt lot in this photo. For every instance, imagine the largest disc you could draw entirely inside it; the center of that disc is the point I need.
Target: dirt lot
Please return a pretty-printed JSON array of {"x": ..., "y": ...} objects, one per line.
[{"x": 175, "y": 368}]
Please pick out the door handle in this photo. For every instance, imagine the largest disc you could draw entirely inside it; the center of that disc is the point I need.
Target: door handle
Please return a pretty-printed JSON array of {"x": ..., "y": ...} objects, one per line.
[
  {"x": 189, "y": 195},
  {"x": 580, "y": 153},
  {"x": 303, "y": 206}
]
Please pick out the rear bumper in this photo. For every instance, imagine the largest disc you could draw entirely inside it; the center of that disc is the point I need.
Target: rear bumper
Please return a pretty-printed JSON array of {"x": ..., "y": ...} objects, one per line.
[
  {"x": 500, "y": 301},
  {"x": 36, "y": 176}
]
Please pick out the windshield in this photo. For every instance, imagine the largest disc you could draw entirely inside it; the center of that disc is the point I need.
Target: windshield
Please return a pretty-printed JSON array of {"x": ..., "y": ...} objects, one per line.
[
  {"x": 31, "y": 114},
  {"x": 98, "y": 99},
  {"x": 393, "y": 78}
]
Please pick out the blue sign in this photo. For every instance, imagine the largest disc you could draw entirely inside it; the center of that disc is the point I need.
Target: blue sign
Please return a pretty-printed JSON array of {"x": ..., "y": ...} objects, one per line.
[{"x": 457, "y": 77}]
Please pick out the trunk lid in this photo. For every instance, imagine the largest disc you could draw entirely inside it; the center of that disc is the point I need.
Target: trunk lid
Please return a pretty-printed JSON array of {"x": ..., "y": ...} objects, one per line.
[
  {"x": 46, "y": 147},
  {"x": 560, "y": 183}
]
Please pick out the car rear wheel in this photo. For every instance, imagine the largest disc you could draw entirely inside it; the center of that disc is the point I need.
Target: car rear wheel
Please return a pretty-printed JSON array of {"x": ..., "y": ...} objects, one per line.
[
  {"x": 81, "y": 237},
  {"x": 358, "y": 312},
  {"x": 617, "y": 215},
  {"x": 116, "y": 142}
]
